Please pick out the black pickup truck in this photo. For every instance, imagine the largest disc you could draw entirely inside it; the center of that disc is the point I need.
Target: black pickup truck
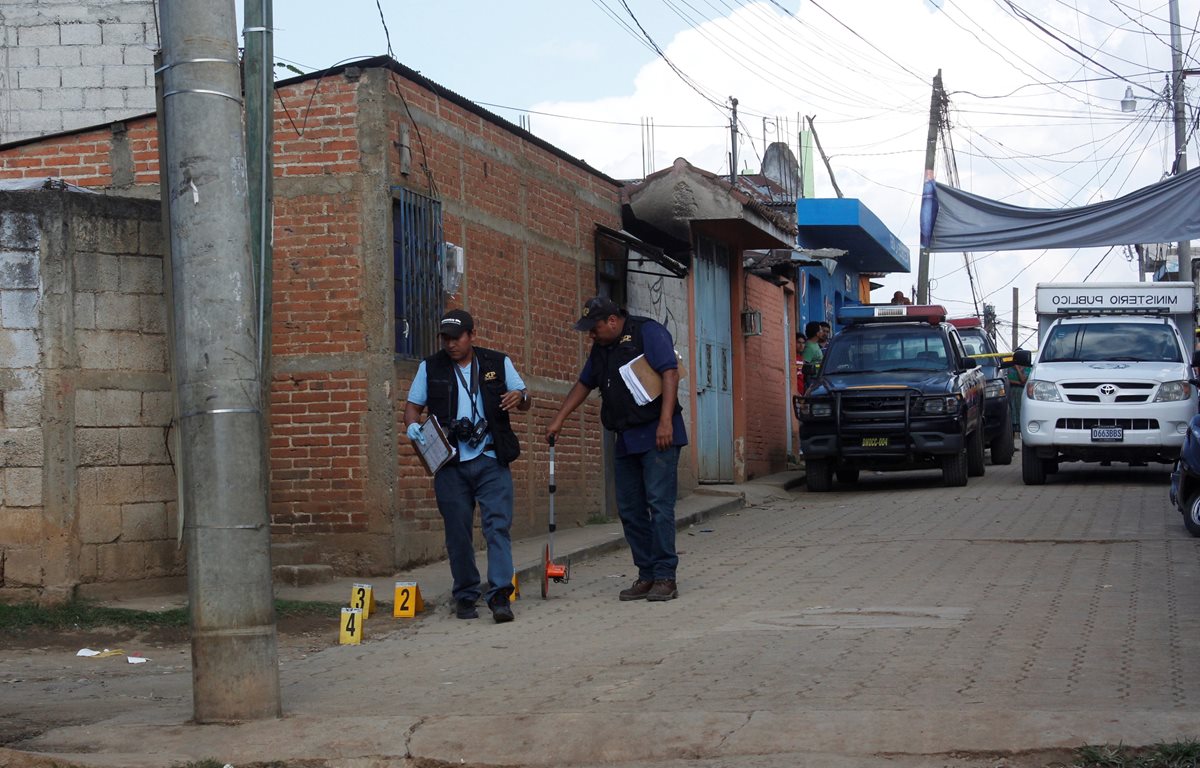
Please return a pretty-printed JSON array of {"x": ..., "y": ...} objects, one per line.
[
  {"x": 997, "y": 418},
  {"x": 896, "y": 390}
]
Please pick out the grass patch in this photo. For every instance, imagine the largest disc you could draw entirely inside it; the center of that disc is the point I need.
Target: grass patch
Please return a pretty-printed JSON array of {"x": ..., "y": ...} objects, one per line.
[
  {"x": 1178, "y": 754},
  {"x": 82, "y": 614},
  {"x": 598, "y": 518}
]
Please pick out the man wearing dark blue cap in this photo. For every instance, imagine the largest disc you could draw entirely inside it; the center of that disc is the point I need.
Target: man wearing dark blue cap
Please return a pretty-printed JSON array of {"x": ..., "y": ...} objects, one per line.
[
  {"x": 649, "y": 436},
  {"x": 472, "y": 390}
]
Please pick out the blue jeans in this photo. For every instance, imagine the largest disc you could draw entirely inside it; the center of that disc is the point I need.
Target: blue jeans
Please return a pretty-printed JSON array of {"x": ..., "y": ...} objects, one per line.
[
  {"x": 646, "y": 488},
  {"x": 458, "y": 487}
]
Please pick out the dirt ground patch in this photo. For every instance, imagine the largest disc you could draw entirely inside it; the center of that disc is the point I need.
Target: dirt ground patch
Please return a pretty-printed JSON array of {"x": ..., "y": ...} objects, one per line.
[{"x": 311, "y": 631}]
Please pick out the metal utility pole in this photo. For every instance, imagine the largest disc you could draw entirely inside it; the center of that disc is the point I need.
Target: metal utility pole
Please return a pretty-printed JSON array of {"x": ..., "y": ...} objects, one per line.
[
  {"x": 258, "y": 83},
  {"x": 935, "y": 117},
  {"x": 733, "y": 158},
  {"x": 235, "y": 666},
  {"x": 1180, "y": 165}
]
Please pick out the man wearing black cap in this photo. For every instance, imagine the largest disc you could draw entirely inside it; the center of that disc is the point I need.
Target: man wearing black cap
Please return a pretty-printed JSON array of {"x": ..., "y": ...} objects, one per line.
[
  {"x": 649, "y": 437},
  {"x": 471, "y": 391}
]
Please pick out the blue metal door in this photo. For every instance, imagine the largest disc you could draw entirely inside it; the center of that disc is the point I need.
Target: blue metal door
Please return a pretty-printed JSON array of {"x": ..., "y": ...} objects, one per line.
[{"x": 714, "y": 362}]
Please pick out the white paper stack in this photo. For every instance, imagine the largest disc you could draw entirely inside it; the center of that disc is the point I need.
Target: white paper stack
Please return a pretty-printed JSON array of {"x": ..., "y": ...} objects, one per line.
[{"x": 640, "y": 395}]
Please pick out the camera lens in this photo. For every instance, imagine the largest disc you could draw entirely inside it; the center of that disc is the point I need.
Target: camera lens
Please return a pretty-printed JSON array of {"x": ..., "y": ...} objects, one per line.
[{"x": 478, "y": 433}]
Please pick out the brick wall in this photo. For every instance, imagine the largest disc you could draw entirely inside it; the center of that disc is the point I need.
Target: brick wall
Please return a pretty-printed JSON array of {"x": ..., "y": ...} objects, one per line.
[
  {"x": 69, "y": 65},
  {"x": 766, "y": 393},
  {"x": 341, "y": 471}
]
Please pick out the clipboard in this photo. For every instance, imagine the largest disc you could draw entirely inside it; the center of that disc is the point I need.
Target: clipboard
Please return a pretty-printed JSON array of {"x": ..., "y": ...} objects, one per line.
[{"x": 436, "y": 451}]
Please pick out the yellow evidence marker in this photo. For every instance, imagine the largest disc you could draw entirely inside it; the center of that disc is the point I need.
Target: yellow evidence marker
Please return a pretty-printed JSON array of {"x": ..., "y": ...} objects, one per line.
[
  {"x": 363, "y": 596},
  {"x": 351, "y": 630},
  {"x": 407, "y": 601},
  {"x": 516, "y": 593}
]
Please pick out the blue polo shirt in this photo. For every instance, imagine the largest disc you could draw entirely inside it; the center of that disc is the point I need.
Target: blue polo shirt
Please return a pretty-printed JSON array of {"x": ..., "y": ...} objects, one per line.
[
  {"x": 418, "y": 394},
  {"x": 659, "y": 350}
]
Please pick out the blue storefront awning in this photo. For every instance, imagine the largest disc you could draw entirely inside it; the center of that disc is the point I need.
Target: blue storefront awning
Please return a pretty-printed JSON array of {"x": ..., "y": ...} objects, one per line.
[{"x": 848, "y": 224}]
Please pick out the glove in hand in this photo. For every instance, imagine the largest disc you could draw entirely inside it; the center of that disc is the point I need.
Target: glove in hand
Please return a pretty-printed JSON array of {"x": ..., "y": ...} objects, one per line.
[{"x": 415, "y": 434}]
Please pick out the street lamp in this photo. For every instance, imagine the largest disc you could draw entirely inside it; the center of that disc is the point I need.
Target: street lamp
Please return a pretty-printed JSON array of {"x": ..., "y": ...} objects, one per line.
[{"x": 1129, "y": 103}]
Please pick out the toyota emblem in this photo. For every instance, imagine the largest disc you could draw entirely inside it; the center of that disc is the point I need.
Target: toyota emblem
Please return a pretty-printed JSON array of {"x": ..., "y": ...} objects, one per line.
[{"x": 1108, "y": 390}]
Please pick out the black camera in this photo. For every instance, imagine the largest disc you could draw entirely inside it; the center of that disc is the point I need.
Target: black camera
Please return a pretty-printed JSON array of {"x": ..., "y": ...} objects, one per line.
[{"x": 464, "y": 431}]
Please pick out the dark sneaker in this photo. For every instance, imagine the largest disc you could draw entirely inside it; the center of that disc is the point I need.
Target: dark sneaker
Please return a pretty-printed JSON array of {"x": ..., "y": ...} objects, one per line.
[
  {"x": 465, "y": 609},
  {"x": 662, "y": 589},
  {"x": 638, "y": 591},
  {"x": 501, "y": 610}
]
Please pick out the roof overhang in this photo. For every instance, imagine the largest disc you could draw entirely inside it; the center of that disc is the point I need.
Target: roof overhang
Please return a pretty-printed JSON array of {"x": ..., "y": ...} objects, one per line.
[
  {"x": 681, "y": 198},
  {"x": 847, "y": 223},
  {"x": 619, "y": 245}
]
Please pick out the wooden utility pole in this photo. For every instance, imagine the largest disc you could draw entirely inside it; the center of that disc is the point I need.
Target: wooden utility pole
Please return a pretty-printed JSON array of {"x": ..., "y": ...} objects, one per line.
[
  {"x": 936, "y": 102},
  {"x": 235, "y": 664}
]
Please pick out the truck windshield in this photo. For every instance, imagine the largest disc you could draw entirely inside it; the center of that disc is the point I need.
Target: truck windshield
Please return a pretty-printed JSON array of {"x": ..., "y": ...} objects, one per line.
[
  {"x": 974, "y": 341},
  {"x": 887, "y": 349},
  {"x": 1131, "y": 342}
]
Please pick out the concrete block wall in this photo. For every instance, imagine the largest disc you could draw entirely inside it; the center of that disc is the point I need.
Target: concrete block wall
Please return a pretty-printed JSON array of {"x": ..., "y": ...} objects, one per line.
[
  {"x": 765, "y": 382},
  {"x": 23, "y": 544},
  {"x": 71, "y": 65},
  {"x": 87, "y": 487},
  {"x": 127, "y": 520}
]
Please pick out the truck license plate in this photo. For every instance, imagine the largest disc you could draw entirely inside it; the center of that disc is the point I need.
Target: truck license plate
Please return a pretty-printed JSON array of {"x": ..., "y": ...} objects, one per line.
[
  {"x": 1108, "y": 434},
  {"x": 874, "y": 442}
]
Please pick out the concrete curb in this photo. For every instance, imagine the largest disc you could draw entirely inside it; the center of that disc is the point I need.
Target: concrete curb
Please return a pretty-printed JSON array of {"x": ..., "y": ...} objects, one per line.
[{"x": 532, "y": 575}]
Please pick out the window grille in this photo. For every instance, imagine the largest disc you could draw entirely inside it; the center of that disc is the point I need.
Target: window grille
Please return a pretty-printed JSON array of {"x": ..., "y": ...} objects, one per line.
[{"x": 417, "y": 254}]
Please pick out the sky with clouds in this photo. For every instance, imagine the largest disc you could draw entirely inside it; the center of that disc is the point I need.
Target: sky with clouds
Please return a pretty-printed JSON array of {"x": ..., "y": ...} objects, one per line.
[{"x": 1034, "y": 97}]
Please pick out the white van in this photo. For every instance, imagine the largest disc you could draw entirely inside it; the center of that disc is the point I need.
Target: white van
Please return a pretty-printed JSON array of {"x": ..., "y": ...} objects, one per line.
[{"x": 1112, "y": 379}]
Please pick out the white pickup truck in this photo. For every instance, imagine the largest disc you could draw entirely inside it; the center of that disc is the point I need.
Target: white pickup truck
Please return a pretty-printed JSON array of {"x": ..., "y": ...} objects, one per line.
[{"x": 1112, "y": 379}]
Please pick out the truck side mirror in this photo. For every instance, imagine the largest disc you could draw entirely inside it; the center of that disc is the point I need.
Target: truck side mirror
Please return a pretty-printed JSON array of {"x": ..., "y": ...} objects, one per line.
[
  {"x": 1022, "y": 357},
  {"x": 969, "y": 363},
  {"x": 1196, "y": 359}
]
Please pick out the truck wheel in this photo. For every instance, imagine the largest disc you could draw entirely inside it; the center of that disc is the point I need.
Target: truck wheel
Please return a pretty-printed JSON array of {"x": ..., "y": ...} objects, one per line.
[
  {"x": 1191, "y": 515},
  {"x": 1003, "y": 446},
  {"x": 1033, "y": 469},
  {"x": 975, "y": 465},
  {"x": 954, "y": 469},
  {"x": 847, "y": 475},
  {"x": 818, "y": 475}
]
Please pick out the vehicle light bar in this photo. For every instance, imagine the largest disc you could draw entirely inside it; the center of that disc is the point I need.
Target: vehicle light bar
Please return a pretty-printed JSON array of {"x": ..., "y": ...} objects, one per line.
[
  {"x": 882, "y": 313},
  {"x": 965, "y": 322}
]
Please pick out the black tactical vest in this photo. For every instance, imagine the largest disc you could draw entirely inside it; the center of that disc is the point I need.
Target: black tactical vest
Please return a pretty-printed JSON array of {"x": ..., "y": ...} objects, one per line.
[
  {"x": 442, "y": 398},
  {"x": 618, "y": 410}
]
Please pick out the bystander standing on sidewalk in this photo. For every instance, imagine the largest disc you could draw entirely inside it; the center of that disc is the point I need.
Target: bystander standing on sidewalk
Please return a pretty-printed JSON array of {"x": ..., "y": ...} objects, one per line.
[
  {"x": 649, "y": 437},
  {"x": 1017, "y": 376}
]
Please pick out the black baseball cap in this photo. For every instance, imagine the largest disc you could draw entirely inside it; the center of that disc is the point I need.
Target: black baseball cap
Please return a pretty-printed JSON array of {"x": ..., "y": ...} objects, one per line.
[
  {"x": 596, "y": 309},
  {"x": 455, "y": 323}
]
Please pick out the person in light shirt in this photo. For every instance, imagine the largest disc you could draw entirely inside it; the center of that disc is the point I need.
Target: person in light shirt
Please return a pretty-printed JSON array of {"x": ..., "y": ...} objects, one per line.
[{"x": 472, "y": 391}]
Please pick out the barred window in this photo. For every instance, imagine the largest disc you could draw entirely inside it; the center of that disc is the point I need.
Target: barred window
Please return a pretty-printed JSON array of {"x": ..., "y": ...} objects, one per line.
[{"x": 417, "y": 253}]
